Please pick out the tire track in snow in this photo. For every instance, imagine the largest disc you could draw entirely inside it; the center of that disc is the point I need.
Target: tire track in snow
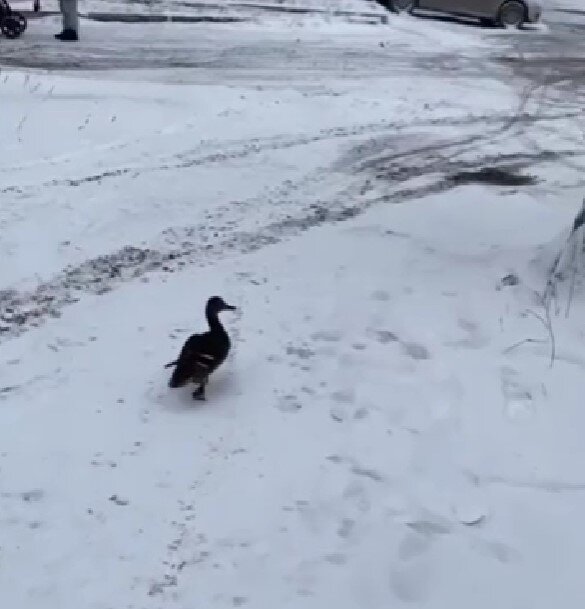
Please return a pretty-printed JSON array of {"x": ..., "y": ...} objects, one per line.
[
  {"x": 21, "y": 311},
  {"x": 545, "y": 485},
  {"x": 240, "y": 150},
  {"x": 206, "y": 155},
  {"x": 194, "y": 158}
]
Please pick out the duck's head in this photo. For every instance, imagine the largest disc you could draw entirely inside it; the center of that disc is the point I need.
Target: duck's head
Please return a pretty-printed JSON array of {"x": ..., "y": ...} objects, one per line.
[{"x": 216, "y": 305}]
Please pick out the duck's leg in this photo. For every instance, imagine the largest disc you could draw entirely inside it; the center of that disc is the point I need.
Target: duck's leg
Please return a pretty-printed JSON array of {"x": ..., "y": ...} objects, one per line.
[{"x": 199, "y": 393}]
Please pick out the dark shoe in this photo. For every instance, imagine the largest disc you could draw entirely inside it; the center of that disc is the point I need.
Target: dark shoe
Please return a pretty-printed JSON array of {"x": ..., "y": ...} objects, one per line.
[{"x": 67, "y": 35}]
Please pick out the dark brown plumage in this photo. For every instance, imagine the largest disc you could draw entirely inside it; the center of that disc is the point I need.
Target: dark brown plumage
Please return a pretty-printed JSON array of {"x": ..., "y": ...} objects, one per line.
[{"x": 202, "y": 354}]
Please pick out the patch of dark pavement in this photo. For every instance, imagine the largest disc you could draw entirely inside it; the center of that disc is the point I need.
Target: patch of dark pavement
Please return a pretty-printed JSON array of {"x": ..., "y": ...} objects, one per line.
[
  {"x": 493, "y": 176},
  {"x": 501, "y": 167}
]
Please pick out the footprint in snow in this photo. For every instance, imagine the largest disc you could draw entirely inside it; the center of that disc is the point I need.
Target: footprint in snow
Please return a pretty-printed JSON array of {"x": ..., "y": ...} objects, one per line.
[
  {"x": 345, "y": 528},
  {"x": 361, "y": 413},
  {"x": 356, "y": 495},
  {"x": 289, "y": 404},
  {"x": 336, "y": 558},
  {"x": 338, "y": 414},
  {"x": 32, "y": 496},
  {"x": 343, "y": 396},
  {"x": 468, "y": 326},
  {"x": 380, "y": 295},
  {"x": 385, "y": 336},
  {"x": 411, "y": 583},
  {"x": 118, "y": 500},
  {"x": 473, "y": 338},
  {"x": 518, "y": 398},
  {"x": 356, "y": 469},
  {"x": 429, "y": 528},
  {"x": 500, "y": 551},
  {"x": 302, "y": 352},
  {"x": 330, "y": 336},
  {"x": 416, "y": 351},
  {"x": 413, "y": 545},
  {"x": 469, "y": 512}
]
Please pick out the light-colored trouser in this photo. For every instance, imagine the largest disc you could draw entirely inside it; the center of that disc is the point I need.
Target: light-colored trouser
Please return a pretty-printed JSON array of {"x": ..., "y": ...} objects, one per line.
[{"x": 70, "y": 14}]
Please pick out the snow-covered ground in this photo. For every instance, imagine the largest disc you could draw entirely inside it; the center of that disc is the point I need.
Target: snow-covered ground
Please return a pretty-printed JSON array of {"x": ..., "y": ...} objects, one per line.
[
  {"x": 181, "y": 6},
  {"x": 383, "y": 434},
  {"x": 236, "y": 9},
  {"x": 184, "y": 7}
]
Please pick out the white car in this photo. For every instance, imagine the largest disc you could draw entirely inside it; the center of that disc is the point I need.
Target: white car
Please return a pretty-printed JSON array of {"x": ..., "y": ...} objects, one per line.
[{"x": 506, "y": 13}]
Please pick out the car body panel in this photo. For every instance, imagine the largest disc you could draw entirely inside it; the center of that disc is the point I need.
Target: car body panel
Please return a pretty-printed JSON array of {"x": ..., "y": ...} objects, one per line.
[
  {"x": 487, "y": 9},
  {"x": 534, "y": 11}
]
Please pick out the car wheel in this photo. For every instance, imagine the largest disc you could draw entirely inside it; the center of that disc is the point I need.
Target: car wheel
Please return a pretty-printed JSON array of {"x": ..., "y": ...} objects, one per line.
[
  {"x": 11, "y": 27},
  {"x": 512, "y": 14},
  {"x": 403, "y": 6},
  {"x": 20, "y": 18}
]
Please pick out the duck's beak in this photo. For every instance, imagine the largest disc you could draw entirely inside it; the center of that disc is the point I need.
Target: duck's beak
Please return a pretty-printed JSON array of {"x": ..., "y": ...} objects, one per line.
[{"x": 228, "y": 307}]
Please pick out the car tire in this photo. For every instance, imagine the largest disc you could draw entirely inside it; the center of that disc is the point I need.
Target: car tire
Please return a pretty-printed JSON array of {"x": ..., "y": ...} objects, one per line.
[
  {"x": 11, "y": 27},
  {"x": 402, "y": 6},
  {"x": 512, "y": 14},
  {"x": 20, "y": 18}
]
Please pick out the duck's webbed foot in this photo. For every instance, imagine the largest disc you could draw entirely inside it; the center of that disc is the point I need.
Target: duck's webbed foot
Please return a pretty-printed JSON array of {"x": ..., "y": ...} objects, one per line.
[{"x": 199, "y": 393}]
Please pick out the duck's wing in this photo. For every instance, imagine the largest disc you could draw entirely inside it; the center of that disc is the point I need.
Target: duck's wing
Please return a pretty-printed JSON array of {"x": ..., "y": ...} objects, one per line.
[
  {"x": 193, "y": 361},
  {"x": 191, "y": 344}
]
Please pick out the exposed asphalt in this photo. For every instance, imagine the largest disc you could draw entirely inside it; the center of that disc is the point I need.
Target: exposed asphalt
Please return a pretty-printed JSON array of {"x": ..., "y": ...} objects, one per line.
[{"x": 555, "y": 53}]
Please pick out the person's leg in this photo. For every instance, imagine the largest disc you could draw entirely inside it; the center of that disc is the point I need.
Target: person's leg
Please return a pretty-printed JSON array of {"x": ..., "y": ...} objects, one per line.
[
  {"x": 70, "y": 15},
  {"x": 70, "y": 20}
]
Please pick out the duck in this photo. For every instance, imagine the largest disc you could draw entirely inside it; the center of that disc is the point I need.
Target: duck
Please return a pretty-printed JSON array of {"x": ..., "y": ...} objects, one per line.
[{"x": 202, "y": 354}]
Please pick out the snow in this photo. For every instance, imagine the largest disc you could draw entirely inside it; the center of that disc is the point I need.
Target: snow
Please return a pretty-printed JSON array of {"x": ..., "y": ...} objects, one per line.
[
  {"x": 563, "y": 4},
  {"x": 380, "y": 436},
  {"x": 181, "y": 7}
]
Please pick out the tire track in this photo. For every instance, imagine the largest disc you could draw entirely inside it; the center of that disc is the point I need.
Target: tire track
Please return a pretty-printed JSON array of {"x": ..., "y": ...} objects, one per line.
[
  {"x": 236, "y": 150},
  {"x": 293, "y": 207},
  {"x": 191, "y": 246},
  {"x": 241, "y": 149}
]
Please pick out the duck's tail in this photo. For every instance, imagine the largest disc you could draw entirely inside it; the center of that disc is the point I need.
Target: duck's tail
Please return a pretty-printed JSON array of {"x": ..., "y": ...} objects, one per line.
[
  {"x": 171, "y": 364},
  {"x": 182, "y": 374}
]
